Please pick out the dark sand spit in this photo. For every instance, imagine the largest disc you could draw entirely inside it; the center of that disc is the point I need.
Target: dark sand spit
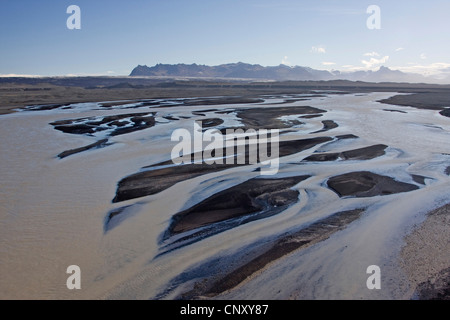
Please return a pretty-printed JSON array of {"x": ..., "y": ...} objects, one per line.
[
  {"x": 288, "y": 101},
  {"x": 222, "y": 100},
  {"x": 96, "y": 145},
  {"x": 419, "y": 179},
  {"x": 210, "y": 123},
  {"x": 312, "y": 116},
  {"x": 346, "y": 136},
  {"x": 267, "y": 117},
  {"x": 253, "y": 196},
  {"x": 367, "y": 184},
  {"x": 116, "y": 124},
  {"x": 150, "y": 182},
  {"x": 393, "y": 110},
  {"x": 422, "y": 100},
  {"x": 154, "y": 181},
  {"x": 122, "y": 103},
  {"x": 425, "y": 258},
  {"x": 171, "y": 118},
  {"x": 249, "y": 201},
  {"x": 327, "y": 125},
  {"x": 112, "y": 219},
  {"x": 51, "y": 106},
  {"x": 366, "y": 153},
  {"x": 301, "y": 239}
]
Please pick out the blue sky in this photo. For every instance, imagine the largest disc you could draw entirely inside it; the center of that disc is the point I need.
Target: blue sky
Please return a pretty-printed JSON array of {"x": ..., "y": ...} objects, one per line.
[{"x": 116, "y": 36}]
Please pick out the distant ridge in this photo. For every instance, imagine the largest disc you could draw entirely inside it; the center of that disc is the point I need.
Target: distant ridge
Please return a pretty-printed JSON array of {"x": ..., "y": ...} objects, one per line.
[
  {"x": 233, "y": 70},
  {"x": 282, "y": 72}
]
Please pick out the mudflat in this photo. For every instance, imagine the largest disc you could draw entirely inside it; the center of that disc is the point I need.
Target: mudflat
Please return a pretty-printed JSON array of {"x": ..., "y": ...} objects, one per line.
[{"x": 20, "y": 92}]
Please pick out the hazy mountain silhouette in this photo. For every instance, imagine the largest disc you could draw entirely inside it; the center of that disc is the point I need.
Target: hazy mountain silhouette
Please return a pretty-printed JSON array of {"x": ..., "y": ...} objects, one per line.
[{"x": 279, "y": 73}]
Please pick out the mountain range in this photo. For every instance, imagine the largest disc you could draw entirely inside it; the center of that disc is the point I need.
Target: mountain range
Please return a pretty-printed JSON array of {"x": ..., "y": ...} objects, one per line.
[{"x": 278, "y": 73}]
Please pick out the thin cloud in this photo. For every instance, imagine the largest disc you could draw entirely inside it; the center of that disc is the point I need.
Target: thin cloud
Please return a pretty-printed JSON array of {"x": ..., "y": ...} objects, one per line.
[
  {"x": 372, "y": 63},
  {"x": 399, "y": 49},
  {"x": 427, "y": 70},
  {"x": 285, "y": 61},
  {"x": 372, "y": 54},
  {"x": 423, "y": 56},
  {"x": 351, "y": 68},
  {"x": 13, "y": 75},
  {"x": 89, "y": 74},
  {"x": 318, "y": 49},
  {"x": 325, "y": 63}
]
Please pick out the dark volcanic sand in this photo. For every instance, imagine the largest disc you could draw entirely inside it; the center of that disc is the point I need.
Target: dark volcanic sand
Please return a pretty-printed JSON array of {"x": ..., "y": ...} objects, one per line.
[
  {"x": 367, "y": 184},
  {"x": 147, "y": 183},
  {"x": 327, "y": 125},
  {"x": 117, "y": 103},
  {"x": 99, "y": 144},
  {"x": 151, "y": 182},
  {"x": 357, "y": 154},
  {"x": 424, "y": 100},
  {"x": 425, "y": 257},
  {"x": 445, "y": 112},
  {"x": 438, "y": 289},
  {"x": 252, "y": 196},
  {"x": 45, "y": 107},
  {"x": 109, "y": 224},
  {"x": 418, "y": 179},
  {"x": 267, "y": 117},
  {"x": 347, "y": 136},
  {"x": 222, "y": 100},
  {"x": 301, "y": 239},
  {"x": 208, "y": 123},
  {"x": 119, "y": 124},
  {"x": 392, "y": 110},
  {"x": 287, "y": 101},
  {"x": 294, "y": 146},
  {"x": 170, "y": 118},
  {"x": 312, "y": 116},
  {"x": 154, "y": 181}
]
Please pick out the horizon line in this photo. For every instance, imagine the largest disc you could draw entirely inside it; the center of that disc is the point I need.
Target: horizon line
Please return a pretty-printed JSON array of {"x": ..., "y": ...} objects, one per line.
[
  {"x": 111, "y": 74},
  {"x": 428, "y": 78}
]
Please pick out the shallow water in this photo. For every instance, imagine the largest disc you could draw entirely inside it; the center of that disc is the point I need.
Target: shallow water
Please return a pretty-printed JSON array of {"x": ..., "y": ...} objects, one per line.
[{"x": 52, "y": 211}]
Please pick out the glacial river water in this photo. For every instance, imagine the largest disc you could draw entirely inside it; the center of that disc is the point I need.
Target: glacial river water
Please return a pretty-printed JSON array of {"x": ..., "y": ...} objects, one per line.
[{"x": 53, "y": 211}]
